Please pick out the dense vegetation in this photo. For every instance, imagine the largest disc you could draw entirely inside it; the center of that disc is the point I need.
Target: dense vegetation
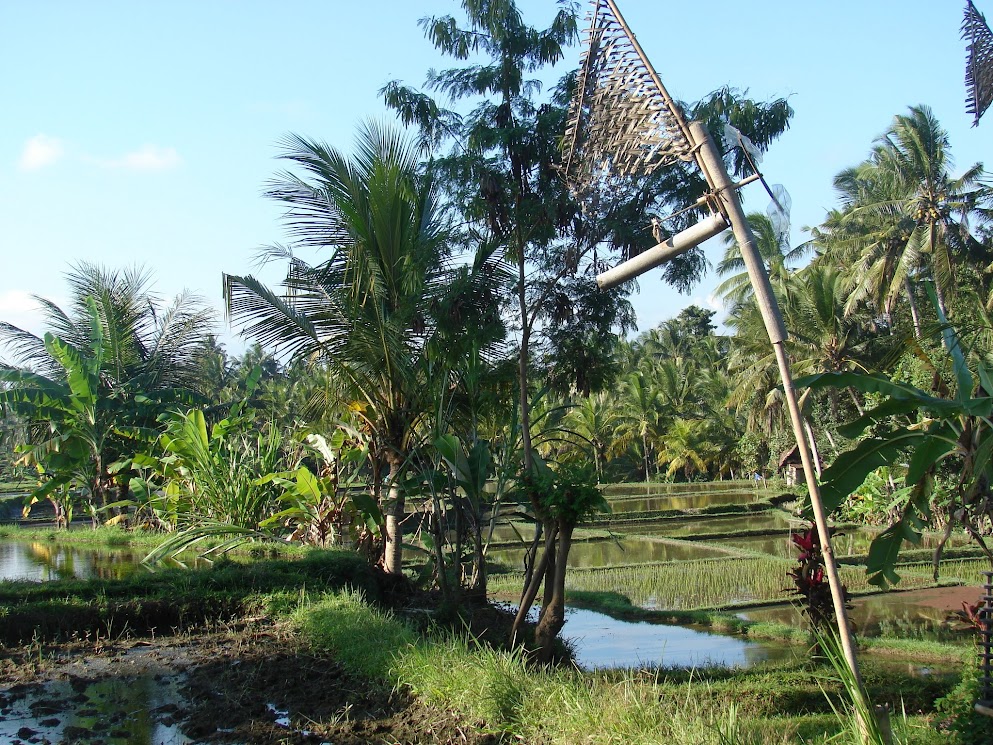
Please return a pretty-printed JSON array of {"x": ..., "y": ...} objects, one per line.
[{"x": 447, "y": 357}]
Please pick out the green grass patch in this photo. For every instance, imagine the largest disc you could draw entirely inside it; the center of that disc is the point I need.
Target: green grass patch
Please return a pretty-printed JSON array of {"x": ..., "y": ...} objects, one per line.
[
  {"x": 518, "y": 701},
  {"x": 362, "y": 638}
]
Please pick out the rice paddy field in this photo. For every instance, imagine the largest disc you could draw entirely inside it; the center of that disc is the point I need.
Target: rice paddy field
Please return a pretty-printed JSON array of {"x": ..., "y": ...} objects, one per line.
[{"x": 716, "y": 546}]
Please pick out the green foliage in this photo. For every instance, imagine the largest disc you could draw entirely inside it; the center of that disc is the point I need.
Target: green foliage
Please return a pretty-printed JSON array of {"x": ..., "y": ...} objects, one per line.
[
  {"x": 569, "y": 493},
  {"x": 101, "y": 377},
  {"x": 968, "y": 727},
  {"x": 360, "y": 637},
  {"x": 956, "y": 426}
]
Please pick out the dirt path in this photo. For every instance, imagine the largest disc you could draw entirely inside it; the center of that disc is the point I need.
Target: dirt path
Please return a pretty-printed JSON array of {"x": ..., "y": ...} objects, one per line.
[{"x": 256, "y": 684}]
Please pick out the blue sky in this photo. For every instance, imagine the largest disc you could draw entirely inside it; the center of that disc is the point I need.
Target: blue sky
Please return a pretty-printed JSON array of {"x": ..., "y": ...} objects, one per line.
[{"x": 142, "y": 133}]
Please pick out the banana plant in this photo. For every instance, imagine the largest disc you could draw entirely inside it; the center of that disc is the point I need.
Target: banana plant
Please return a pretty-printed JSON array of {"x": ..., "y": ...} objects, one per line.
[{"x": 922, "y": 431}]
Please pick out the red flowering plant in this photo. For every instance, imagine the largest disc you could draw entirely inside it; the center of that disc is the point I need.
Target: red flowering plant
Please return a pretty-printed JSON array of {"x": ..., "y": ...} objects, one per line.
[{"x": 811, "y": 583}]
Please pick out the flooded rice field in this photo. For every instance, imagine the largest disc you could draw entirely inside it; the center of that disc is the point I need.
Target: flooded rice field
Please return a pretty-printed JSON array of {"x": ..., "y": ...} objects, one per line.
[
  {"x": 599, "y": 641},
  {"x": 600, "y": 553},
  {"x": 43, "y": 561}
]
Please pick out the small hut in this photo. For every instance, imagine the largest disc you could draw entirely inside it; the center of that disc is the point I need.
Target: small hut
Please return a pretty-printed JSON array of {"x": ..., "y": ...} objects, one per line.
[{"x": 791, "y": 466}]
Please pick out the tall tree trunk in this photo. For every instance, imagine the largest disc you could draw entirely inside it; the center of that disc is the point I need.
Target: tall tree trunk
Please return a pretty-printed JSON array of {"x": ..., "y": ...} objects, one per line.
[
  {"x": 553, "y": 612},
  {"x": 531, "y": 591},
  {"x": 915, "y": 314},
  {"x": 644, "y": 448},
  {"x": 523, "y": 364},
  {"x": 393, "y": 555}
]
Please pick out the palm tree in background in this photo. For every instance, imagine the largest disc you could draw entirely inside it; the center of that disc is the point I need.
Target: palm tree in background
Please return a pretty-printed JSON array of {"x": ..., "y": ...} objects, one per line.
[
  {"x": 774, "y": 249},
  {"x": 112, "y": 362},
  {"x": 904, "y": 217}
]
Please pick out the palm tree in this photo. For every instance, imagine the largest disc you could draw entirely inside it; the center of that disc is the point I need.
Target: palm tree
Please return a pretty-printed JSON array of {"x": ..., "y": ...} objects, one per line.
[
  {"x": 772, "y": 247},
  {"x": 593, "y": 419},
  {"x": 110, "y": 365},
  {"x": 640, "y": 413},
  {"x": 904, "y": 217},
  {"x": 375, "y": 312}
]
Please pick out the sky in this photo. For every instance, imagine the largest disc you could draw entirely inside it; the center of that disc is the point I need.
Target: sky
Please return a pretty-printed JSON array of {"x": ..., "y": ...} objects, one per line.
[{"x": 143, "y": 133}]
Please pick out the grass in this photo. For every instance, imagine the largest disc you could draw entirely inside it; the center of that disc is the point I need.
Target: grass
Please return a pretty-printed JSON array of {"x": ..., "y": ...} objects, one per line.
[{"x": 518, "y": 701}]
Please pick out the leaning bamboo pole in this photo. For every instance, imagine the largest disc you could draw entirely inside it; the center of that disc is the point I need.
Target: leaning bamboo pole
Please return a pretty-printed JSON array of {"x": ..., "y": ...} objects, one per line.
[
  {"x": 712, "y": 165},
  {"x": 729, "y": 204}
]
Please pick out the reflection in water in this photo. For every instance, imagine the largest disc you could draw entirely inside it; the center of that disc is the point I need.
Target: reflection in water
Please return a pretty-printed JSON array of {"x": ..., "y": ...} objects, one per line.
[
  {"x": 893, "y": 614},
  {"x": 600, "y": 641},
  {"x": 626, "y": 504},
  {"x": 115, "y": 711},
  {"x": 850, "y": 542},
  {"x": 594, "y": 554},
  {"x": 41, "y": 562},
  {"x": 706, "y": 525}
]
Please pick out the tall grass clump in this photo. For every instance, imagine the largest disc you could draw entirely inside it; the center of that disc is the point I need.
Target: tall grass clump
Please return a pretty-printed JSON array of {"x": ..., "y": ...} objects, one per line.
[
  {"x": 567, "y": 706},
  {"x": 362, "y": 638}
]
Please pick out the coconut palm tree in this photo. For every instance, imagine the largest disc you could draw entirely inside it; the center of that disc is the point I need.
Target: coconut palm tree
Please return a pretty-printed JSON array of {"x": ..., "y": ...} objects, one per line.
[
  {"x": 904, "y": 216},
  {"x": 377, "y": 312},
  {"x": 772, "y": 247}
]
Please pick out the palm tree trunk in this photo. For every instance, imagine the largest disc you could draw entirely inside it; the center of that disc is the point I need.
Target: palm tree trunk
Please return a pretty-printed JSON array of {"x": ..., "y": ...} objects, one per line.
[
  {"x": 393, "y": 555},
  {"x": 915, "y": 314}
]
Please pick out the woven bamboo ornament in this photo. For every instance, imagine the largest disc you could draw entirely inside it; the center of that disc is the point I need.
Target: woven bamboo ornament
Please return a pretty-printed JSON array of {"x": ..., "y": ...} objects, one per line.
[
  {"x": 979, "y": 63},
  {"x": 622, "y": 121}
]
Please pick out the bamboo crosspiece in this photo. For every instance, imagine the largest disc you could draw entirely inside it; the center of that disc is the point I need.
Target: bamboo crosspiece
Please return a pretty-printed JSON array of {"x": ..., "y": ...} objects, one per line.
[{"x": 623, "y": 122}]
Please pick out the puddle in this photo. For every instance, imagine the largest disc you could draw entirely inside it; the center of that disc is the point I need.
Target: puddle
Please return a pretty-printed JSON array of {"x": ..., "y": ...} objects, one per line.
[
  {"x": 593, "y": 554},
  {"x": 116, "y": 711},
  {"x": 600, "y": 641}
]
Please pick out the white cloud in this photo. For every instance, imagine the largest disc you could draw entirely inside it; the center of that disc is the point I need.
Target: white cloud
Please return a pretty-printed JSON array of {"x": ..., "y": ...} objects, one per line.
[
  {"x": 715, "y": 303},
  {"x": 152, "y": 158},
  {"x": 40, "y": 151},
  {"x": 145, "y": 158}
]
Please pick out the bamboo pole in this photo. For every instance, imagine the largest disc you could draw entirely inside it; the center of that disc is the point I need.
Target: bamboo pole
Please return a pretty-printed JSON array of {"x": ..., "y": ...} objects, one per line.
[
  {"x": 718, "y": 178},
  {"x": 679, "y": 244}
]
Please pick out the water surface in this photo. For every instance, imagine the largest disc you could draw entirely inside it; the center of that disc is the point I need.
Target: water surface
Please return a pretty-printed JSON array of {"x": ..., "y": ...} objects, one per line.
[
  {"x": 592, "y": 554},
  {"x": 42, "y": 561},
  {"x": 600, "y": 641}
]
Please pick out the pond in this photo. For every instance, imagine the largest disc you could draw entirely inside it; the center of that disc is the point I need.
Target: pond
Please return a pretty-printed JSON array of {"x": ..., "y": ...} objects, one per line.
[
  {"x": 591, "y": 554},
  {"x": 613, "y": 490},
  {"x": 921, "y": 614},
  {"x": 42, "y": 561}
]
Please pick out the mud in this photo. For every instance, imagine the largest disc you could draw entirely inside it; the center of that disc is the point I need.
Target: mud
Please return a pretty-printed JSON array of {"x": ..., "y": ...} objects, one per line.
[{"x": 254, "y": 684}]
